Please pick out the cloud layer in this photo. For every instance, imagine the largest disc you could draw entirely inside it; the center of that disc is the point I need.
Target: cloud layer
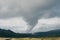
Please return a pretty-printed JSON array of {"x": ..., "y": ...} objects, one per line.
[
  {"x": 27, "y": 13},
  {"x": 15, "y": 24},
  {"x": 47, "y": 25}
]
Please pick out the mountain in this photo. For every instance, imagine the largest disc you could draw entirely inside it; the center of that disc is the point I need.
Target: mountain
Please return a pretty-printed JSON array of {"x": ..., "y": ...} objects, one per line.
[
  {"x": 9, "y": 33},
  {"x": 52, "y": 33}
]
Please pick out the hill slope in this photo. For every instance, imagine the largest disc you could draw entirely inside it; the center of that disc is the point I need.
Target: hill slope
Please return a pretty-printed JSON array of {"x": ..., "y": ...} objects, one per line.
[{"x": 9, "y": 33}]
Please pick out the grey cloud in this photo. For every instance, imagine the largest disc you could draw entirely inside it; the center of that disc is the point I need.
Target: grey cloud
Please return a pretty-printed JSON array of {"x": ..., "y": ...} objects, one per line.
[
  {"x": 31, "y": 11},
  {"x": 46, "y": 28}
]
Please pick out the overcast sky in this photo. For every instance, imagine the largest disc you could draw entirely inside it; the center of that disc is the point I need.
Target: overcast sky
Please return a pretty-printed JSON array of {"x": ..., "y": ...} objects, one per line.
[{"x": 24, "y": 16}]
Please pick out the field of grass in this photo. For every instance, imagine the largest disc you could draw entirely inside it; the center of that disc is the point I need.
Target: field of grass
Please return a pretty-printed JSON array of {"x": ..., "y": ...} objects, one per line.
[{"x": 46, "y": 38}]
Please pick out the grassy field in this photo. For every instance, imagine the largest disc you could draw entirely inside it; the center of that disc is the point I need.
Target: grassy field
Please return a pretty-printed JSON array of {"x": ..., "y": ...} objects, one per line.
[{"x": 46, "y": 38}]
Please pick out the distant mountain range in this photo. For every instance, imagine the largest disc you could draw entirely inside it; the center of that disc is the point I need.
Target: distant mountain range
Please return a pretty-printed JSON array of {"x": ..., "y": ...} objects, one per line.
[
  {"x": 9, "y": 33},
  {"x": 52, "y": 33}
]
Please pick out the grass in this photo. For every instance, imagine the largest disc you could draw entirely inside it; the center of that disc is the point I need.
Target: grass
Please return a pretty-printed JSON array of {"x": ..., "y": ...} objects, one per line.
[{"x": 46, "y": 38}]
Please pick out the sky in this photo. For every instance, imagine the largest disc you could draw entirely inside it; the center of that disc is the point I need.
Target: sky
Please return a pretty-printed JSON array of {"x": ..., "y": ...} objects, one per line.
[{"x": 29, "y": 16}]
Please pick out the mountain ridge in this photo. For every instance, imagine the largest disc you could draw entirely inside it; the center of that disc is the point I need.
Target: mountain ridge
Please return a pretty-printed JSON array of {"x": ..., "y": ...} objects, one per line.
[{"x": 9, "y": 33}]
